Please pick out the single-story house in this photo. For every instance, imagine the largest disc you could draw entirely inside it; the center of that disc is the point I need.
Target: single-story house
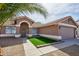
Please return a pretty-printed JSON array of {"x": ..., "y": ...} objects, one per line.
[{"x": 21, "y": 26}]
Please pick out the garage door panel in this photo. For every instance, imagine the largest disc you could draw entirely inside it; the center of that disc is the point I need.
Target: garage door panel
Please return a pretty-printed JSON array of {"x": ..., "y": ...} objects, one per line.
[{"x": 67, "y": 32}]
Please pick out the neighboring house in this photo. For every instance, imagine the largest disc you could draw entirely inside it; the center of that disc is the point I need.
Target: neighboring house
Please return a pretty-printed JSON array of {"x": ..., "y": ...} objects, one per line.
[
  {"x": 22, "y": 26},
  {"x": 77, "y": 28}
]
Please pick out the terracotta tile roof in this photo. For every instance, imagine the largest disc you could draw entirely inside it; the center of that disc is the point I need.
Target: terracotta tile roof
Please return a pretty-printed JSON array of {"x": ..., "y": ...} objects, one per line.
[
  {"x": 23, "y": 17},
  {"x": 57, "y": 21}
]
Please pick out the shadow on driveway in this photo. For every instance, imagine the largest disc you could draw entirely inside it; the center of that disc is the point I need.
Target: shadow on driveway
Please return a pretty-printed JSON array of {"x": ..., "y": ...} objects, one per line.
[
  {"x": 9, "y": 41},
  {"x": 12, "y": 46}
]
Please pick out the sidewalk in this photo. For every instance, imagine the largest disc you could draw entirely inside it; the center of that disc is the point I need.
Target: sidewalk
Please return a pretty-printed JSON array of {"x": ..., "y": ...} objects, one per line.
[{"x": 30, "y": 49}]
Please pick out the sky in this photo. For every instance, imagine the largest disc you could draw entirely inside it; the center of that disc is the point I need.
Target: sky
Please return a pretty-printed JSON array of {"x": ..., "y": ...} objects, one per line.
[{"x": 57, "y": 11}]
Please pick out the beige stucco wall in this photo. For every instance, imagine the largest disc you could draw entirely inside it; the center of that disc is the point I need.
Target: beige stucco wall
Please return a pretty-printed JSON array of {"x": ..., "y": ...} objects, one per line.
[
  {"x": 49, "y": 30},
  {"x": 3, "y": 30},
  {"x": 17, "y": 29}
]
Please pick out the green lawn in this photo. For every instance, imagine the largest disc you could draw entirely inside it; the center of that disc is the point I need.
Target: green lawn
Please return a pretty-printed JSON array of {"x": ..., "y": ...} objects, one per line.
[{"x": 41, "y": 40}]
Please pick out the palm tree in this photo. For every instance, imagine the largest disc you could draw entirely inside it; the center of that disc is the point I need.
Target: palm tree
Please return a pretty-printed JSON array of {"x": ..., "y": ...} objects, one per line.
[{"x": 8, "y": 10}]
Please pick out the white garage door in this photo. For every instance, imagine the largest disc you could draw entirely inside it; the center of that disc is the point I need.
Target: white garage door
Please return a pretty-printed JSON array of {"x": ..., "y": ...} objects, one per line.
[{"x": 67, "y": 32}]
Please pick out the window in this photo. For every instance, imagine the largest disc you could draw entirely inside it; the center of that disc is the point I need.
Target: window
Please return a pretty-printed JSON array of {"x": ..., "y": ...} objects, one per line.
[
  {"x": 34, "y": 31},
  {"x": 10, "y": 30}
]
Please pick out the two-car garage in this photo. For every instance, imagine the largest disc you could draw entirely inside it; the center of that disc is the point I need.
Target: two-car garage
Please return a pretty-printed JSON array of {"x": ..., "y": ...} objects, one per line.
[{"x": 67, "y": 32}]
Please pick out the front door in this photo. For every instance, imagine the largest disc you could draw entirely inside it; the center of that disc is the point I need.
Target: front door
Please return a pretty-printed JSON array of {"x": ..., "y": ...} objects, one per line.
[{"x": 24, "y": 29}]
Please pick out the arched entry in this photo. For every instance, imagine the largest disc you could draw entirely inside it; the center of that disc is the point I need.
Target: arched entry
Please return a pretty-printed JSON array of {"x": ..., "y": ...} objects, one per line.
[{"x": 24, "y": 29}]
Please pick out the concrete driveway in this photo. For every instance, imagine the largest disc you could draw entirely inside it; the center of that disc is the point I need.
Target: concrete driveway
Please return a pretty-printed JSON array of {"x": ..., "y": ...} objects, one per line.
[{"x": 71, "y": 50}]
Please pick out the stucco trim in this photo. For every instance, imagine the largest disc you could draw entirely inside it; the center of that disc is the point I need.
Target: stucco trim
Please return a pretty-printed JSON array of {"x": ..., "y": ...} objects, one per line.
[
  {"x": 25, "y": 22},
  {"x": 67, "y": 25}
]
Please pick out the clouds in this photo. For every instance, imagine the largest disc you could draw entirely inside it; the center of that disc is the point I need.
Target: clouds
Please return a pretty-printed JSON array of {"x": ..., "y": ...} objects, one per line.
[
  {"x": 62, "y": 8},
  {"x": 58, "y": 10},
  {"x": 69, "y": 8}
]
